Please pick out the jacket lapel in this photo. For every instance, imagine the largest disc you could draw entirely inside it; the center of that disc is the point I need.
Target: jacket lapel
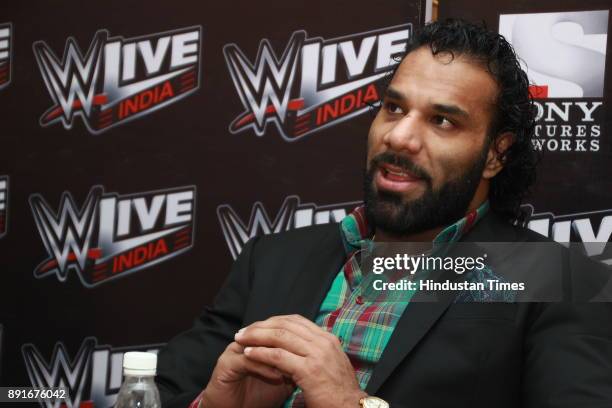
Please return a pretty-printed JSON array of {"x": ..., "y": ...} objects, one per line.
[
  {"x": 419, "y": 317},
  {"x": 319, "y": 269}
]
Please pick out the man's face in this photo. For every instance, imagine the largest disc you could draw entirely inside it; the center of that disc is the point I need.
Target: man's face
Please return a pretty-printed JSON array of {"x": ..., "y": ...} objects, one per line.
[{"x": 428, "y": 144}]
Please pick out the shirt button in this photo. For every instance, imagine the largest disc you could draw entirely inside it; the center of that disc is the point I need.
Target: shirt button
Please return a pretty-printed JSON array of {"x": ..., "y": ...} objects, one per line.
[{"x": 359, "y": 300}]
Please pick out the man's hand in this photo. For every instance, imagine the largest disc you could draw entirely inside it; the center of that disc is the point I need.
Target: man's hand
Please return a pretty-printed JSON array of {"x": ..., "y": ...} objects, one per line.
[
  {"x": 238, "y": 382},
  {"x": 310, "y": 356}
]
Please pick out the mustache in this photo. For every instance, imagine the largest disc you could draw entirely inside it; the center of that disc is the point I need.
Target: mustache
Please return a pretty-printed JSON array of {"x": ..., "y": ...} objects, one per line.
[{"x": 400, "y": 161}]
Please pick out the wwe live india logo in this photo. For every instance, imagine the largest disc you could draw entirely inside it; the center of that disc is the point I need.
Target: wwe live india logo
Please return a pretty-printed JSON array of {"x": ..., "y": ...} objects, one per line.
[
  {"x": 593, "y": 229},
  {"x": 6, "y": 35},
  {"x": 113, "y": 235},
  {"x": 292, "y": 214},
  {"x": 315, "y": 83},
  {"x": 116, "y": 79},
  {"x": 93, "y": 377}
]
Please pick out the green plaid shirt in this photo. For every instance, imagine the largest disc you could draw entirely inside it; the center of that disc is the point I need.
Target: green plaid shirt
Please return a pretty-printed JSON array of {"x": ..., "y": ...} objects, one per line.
[{"x": 365, "y": 327}]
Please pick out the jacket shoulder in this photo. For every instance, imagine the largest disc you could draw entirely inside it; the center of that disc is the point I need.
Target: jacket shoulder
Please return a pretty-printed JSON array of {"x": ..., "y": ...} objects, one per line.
[
  {"x": 300, "y": 237},
  {"x": 494, "y": 228}
]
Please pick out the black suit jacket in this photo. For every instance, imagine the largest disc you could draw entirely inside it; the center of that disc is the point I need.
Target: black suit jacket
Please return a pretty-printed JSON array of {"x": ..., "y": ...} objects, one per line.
[{"x": 441, "y": 354}]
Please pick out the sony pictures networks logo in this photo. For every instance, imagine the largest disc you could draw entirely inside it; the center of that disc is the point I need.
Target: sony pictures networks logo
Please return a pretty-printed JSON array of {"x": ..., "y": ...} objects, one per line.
[{"x": 564, "y": 55}]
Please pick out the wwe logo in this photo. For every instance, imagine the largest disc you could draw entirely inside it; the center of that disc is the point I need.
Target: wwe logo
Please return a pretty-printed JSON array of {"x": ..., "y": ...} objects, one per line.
[
  {"x": 260, "y": 84},
  {"x": 72, "y": 81},
  {"x": 291, "y": 215},
  {"x": 61, "y": 371},
  {"x": 67, "y": 235}
]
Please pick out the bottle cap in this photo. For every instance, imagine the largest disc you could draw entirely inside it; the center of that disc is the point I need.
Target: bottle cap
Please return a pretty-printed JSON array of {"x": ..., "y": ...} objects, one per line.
[{"x": 139, "y": 363}]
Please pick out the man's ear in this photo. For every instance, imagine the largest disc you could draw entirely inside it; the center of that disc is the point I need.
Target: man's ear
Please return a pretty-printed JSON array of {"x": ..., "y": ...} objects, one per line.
[{"x": 494, "y": 164}]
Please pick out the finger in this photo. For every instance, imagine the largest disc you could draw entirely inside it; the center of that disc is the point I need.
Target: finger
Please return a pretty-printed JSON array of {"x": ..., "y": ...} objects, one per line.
[
  {"x": 235, "y": 364},
  {"x": 283, "y": 322},
  {"x": 320, "y": 335},
  {"x": 299, "y": 319},
  {"x": 263, "y": 371},
  {"x": 277, "y": 337},
  {"x": 234, "y": 348},
  {"x": 279, "y": 358}
]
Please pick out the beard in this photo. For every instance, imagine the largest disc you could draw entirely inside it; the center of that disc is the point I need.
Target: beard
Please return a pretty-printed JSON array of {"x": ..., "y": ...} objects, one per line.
[{"x": 389, "y": 212}]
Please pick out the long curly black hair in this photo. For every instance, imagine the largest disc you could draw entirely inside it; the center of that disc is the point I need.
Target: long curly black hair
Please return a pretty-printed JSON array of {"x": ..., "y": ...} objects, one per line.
[{"x": 515, "y": 110}]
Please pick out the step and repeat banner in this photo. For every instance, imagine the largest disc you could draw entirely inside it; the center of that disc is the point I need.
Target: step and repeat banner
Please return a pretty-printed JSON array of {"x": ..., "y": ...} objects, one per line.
[{"x": 143, "y": 143}]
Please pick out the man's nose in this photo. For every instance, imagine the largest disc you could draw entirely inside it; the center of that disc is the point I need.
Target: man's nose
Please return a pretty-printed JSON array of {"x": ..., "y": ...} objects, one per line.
[{"x": 406, "y": 134}]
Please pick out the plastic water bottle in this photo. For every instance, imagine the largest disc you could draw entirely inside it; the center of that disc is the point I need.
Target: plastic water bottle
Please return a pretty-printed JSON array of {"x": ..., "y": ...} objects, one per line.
[{"x": 138, "y": 389}]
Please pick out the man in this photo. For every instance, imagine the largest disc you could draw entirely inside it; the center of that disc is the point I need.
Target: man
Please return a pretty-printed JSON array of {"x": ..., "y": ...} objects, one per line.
[{"x": 449, "y": 159}]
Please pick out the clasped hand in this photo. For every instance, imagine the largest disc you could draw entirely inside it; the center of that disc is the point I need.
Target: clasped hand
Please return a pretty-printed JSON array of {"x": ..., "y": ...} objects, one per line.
[{"x": 280, "y": 353}]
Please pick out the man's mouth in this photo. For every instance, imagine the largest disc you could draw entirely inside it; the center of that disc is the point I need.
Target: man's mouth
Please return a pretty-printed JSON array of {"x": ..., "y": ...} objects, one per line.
[{"x": 395, "y": 179}]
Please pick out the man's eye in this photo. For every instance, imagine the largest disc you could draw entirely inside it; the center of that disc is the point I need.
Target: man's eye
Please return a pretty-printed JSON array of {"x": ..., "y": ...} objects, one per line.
[
  {"x": 442, "y": 122},
  {"x": 392, "y": 107}
]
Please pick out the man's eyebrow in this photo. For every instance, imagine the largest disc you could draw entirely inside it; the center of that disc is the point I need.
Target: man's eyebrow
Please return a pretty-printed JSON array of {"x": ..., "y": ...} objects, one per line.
[
  {"x": 392, "y": 93},
  {"x": 449, "y": 109}
]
